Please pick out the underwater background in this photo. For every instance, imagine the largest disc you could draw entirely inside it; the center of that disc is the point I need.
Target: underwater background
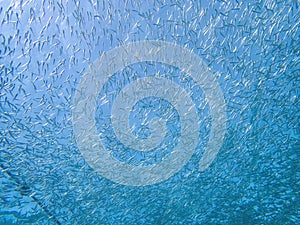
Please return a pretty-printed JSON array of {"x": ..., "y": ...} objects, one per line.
[{"x": 253, "y": 49}]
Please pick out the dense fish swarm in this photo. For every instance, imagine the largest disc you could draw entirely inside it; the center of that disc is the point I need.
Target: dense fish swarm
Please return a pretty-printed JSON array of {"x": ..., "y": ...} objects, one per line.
[{"x": 251, "y": 47}]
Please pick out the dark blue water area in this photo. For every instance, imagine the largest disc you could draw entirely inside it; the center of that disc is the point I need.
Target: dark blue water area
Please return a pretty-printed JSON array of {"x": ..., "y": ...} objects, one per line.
[{"x": 251, "y": 46}]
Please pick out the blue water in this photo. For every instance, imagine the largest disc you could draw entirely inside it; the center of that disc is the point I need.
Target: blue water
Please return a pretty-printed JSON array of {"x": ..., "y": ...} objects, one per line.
[{"x": 251, "y": 46}]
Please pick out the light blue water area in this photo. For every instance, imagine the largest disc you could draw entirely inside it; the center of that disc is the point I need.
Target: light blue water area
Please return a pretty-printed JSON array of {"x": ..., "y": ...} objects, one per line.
[{"x": 252, "y": 47}]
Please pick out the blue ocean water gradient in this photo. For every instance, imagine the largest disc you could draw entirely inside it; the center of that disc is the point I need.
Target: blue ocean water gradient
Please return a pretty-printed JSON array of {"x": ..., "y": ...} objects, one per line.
[{"x": 252, "y": 46}]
